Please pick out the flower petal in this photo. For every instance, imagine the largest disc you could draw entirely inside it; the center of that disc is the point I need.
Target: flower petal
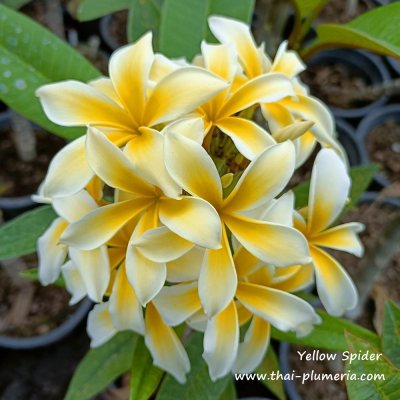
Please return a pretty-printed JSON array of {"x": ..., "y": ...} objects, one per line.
[
  {"x": 191, "y": 87},
  {"x": 252, "y": 349},
  {"x": 335, "y": 288},
  {"x": 287, "y": 62},
  {"x": 51, "y": 253},
  {"x": 329, "y": 189},
  {"x": 100, "y": 225},
  {"x": 125, "y": 309},
  {"x": 230, "y": 31},
  {"x": 73, "y": 103},
  {"x": 106, "y": 87},
  {"x": 220, "y": 59},
  {"x": 280, "y": 211},
  {"x": 129, "y": 71},
  {"x": 162, "y": 245},
  {"x": 146, "y": 153},
  {"x": 165, "y": 347},
  {"x": 300, "y": 280},
  {"x": 99, "y": 327},
  {"x": 73, "y": 282},
  {"x": 264, "y": 178},
  {"x": 283, "y": 310},
  {"x": 71, "y": 158},
  {"x": 273, "y": 243},
  {"x": 74, "y": 207},
  {"x": 187, "y": 267},
  {"x": 94, "y": 267},
  {"x": 249, "y": 138},
  {"x": 192, "y": 168},
  {"x": 146, "y": 277},
  {"x": 192, "y": 128},
  {"x": 119, "y": 173},
  {"x": 177, "y": 303},
  {"x": 217, "y": 267},
  {"x": 343, "y": 237},
  {"x": 193, "y": 219},
  {"x": 267, "y": 88},
  {"x": 221, "y": 342}
]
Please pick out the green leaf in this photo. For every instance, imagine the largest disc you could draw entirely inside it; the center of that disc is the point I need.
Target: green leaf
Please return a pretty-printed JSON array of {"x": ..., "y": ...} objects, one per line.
[
  {"x": 183, "y": 27},
  {"x": 268, "y": 365},
  {"x": 101, "y": 366},
  {"x": 230, "y": 392},
  {"x": 18, "y": 237},
  {"x": 145, "y": 377},
  {"x": 391, "y": 333},
  {"x": 31, "y": 56},
  {"x": 386, "y": 386},
  {"x": 306, "y": 7},
  {"x": 199, "y": 385},
  {"x": 376, "y": 31},
  {"x": 32, "y": 274},
  {"x": 144, "y": 16},
  {"x": 92, "y": 9},
  {"x": 361, "y": 176},
  {"x": 15, "y": 4},
  {"x": 329, "y": 334}
]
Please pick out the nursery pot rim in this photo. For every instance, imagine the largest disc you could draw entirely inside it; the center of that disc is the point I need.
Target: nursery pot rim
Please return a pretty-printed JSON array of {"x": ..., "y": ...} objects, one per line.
[
  {"x": 373, "y": 61},
  {"x": 370, "y": 122},
  {"x": 55, "y": 335}
]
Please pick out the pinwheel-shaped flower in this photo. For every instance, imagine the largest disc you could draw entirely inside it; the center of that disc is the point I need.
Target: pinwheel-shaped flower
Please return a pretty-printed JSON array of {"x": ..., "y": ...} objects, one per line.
[{"x": 329, "y": 190}]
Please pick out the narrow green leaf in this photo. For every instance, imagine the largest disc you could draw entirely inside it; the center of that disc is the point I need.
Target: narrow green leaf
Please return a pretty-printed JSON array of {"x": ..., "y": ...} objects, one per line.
[
  {"x": 391, "y": 333},
  {"x": 376, "y": 30},
  {"x": 15, "y": 4},
  {"x": 241, "y": 10},
  {"x": 268, "y": 365},
  {"x": 361, "y": 176},
  {"x": 199, "y": 385},
  {"x": 101, "y": 366},
  {"x": 32, "y": 274},
  {"x": 183, "y": 27},
  {"x": 92, "y": 9},
  {"x": 329, "y": 334},
  {"x": 31, "y": 56},
  {"x": 145, "y": 377},
  {"x": 381, "y": 378},
  {"x": 144, "y": 16},
  {"x": 18, "y": 237}
]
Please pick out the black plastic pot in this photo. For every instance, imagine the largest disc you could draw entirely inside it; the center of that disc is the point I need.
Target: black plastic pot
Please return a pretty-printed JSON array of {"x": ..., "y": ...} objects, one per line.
[
  {"x": 51, "y": 337},
  {"x": 368, "y": 66},
  {"x": 347, "y": 137},
  {"x": 105, "y": 33},
  {"x": 371, "y": 121},
  {"x": 394, "y": 64}
]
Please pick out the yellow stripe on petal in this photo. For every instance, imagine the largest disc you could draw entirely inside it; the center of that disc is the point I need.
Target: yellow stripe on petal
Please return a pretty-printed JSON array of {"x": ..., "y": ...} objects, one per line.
[
  {"x": 264, "y": 178},
  {"x": 189, "y": 87},
  {"x": 252, "y": 349},
  {"x": 283, "y": 310},
  {"x": 100, "y": 225},
  {"x": 245, "y": 262},
  {"x": 50, "y": 252},
  {"x": 73, "y": 103},
  {"x": 192, "y": 168},
  {"x": 329, "y": 189},
  {"x": 193, "y": 219},
  {"x": 119, "y": 173},
  {"x": 71, "y": 158},
  {"x": 301, "y": 279},
  {"x": 221, "y": 341},
  {"x": 249, "y": 138},
  {"x": 94, "y": 268},
  {"x": 273, "y": 243},
  {"x": 125, "y": 309},
  {"x": 335, "y": 288},
  {"x": 287, "y": 62},
  {"x": 343, "y": 237},
  {"x": 217, "y": 280},
  {"x": 99, "y": 327},
  {"x": 165, "y": 347},
  {"x": 267, "y": 88},
  {"x": 129, "y": 72},
  {"x": 178, "y": 303},
  {"x": 230, "y": 31}
]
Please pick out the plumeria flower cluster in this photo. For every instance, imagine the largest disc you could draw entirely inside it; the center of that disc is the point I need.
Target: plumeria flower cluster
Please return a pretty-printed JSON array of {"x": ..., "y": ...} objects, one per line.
[{"x": 173, "y": 210}]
